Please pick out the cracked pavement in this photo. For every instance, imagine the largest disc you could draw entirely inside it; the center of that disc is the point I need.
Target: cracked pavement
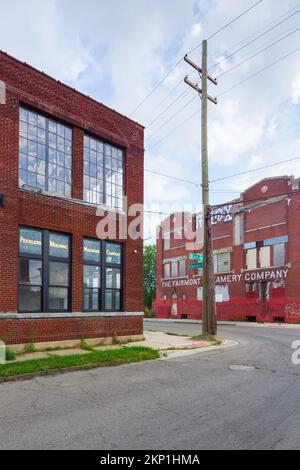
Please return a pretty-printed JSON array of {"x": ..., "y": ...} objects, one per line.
[{"x": 192, "y": 402}]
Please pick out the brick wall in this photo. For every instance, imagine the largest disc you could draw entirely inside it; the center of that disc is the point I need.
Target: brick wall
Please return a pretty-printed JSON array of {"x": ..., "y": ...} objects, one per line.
[{"x": 60, "y": 329}]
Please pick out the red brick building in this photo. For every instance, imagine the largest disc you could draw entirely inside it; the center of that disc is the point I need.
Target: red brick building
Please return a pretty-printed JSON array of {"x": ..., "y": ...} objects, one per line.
[
  {"x": 256, "y": 242},
  {"x": 62, "y": 155}
]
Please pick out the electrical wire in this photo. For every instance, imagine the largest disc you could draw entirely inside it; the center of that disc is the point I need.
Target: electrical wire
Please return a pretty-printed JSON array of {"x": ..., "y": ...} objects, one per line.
[
  {"x": 258, "y": 53},
  {"x": 173, "y": 130},
  {"x": 226, "y": 25},
  {"x": 179, "y": 98},
  {"x": 181, "y": 60},
  {"x": 197, "y": 185},
  {"x": 259, "y": 72},
  {"x": 254, "y": 33},
  {"x": 171, "y": 118},
  {"x": 253, "y": 170},
  {"x": 253, "y": 40},
  {"x": 155, "y": 88}
]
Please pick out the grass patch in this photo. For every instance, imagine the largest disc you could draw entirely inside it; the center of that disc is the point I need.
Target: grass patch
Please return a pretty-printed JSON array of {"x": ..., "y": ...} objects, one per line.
[
  {"x": 94, "y": 359},
  {"x": 10, "y": 355},
  {"x": 212, "y": 339}
]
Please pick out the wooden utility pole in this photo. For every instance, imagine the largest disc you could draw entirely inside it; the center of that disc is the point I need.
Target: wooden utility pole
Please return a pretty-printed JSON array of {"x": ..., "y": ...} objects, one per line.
[{"x": 209, "y": 319}]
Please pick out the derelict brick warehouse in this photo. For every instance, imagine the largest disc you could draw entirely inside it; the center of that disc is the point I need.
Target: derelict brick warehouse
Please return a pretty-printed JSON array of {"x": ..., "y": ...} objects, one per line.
[
  {"x": 256, "y": 243},
  {"x": 62, "y": 155}
]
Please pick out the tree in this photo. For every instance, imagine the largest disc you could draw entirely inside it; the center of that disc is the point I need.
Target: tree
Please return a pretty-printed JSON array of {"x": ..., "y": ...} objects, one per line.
[{"x": 149, "y": 275}]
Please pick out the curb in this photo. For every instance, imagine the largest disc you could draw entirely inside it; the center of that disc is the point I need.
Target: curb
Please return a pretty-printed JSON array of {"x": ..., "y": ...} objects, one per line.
[
  {"x": 48, "y": 373},
  {"x": 188, "y": 322},
  {"x": 190, "y": 352}
]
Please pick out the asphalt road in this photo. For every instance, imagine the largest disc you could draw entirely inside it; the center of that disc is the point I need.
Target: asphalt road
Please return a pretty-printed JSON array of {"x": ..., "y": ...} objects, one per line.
[{"x": 195, "y": 402}]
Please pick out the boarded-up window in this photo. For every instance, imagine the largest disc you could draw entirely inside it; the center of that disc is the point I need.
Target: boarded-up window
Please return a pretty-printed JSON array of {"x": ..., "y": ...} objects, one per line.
[
  {"x": 265, "y": 257},
  {"x": 279, "y": 254},
  {"x": 175, "y": 269},
  {"x": 182, "y": 268},
  {"x": 251, "y": 262},
  {"x": 167, "y": 272}
]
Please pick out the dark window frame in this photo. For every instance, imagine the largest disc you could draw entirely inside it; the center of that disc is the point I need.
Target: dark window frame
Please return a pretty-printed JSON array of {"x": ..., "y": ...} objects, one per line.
[
  {"x": 103, "y": 267},
  {"x": 97, "y": 264}
]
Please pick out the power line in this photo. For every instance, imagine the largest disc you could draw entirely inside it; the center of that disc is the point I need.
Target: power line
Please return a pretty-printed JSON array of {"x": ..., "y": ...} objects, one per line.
[
  {"x": 181, "y": 60},
  {"x": 253, "y": 40},
  {"x": 259, "y": 52},
  {"x": 223, "y": 93},
  {"x": 255, "y": 32},
  {"x": 254, "y": 169},
  {"x": 173, "y": 178},
  {"x": 155, "y": 88},
  {"x": 173, "y": 130},
  {"x": 259, "y": 71},
  {"x": 179, "y": 98},
  {"x": 226, "y": 25}
]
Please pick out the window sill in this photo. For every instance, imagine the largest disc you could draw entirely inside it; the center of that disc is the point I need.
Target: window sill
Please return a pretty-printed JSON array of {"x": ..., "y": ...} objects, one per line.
[
  {"x": 246, "y": 270},
  {"x": 174, "y": 278},
  {"x": 23, "y": 316}
]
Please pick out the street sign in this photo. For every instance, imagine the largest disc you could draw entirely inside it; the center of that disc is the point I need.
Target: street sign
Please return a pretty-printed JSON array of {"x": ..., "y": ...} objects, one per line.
[
  {"x": 196, "y": 257},
  {"x": 196, "y": 266}
]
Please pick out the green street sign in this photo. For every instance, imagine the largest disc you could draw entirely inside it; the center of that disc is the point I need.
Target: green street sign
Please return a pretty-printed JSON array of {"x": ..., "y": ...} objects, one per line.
[
  {"x": 196, "y": 257},
  {"x": 196, "y": 266}
]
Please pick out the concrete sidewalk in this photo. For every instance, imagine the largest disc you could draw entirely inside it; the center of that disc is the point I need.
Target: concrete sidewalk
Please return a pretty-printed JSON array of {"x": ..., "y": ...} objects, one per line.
[
  {"x": 156, "y": 340},
  {"x": 163, "y": 341}
]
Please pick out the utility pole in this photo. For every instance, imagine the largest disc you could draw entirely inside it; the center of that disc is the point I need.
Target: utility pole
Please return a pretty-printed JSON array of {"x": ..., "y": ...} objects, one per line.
[{"x": 209, "y": 319}]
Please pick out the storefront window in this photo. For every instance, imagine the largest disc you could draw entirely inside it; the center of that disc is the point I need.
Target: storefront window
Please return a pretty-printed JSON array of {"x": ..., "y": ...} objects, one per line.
[
  {"x": 44, "y": 271},
  {"x": 102, "y": 261},
  {"x": 45, "y": 153},
  {"x": 113, "y": 276}
]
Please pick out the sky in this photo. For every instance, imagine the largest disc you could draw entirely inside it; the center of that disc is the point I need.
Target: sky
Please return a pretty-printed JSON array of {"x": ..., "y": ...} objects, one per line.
[{"x": 117, "y": 51}]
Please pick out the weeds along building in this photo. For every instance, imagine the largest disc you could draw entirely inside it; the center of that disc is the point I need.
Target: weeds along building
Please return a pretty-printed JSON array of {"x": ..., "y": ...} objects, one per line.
[
  {"x": 256, "y": 242},
  {"x": 62, "y": 156}
]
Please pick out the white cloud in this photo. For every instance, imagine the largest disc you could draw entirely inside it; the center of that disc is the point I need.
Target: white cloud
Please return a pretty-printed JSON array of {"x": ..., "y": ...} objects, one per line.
[
  {"x": 296, "y": 91},
  {"x": 197, "y": 30}
]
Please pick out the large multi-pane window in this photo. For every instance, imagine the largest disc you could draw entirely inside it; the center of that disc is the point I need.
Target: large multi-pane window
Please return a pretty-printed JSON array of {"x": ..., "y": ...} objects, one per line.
[
  {"x": 44, "y": 271},
  {"x": 102, "y": 275},
  {"x": 45, "y": 153},
  {"x": 103, "y": 173}
]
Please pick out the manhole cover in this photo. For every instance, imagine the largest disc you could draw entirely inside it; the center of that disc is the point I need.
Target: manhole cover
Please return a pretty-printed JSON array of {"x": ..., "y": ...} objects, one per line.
[{"x": 242, "y": 368}]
